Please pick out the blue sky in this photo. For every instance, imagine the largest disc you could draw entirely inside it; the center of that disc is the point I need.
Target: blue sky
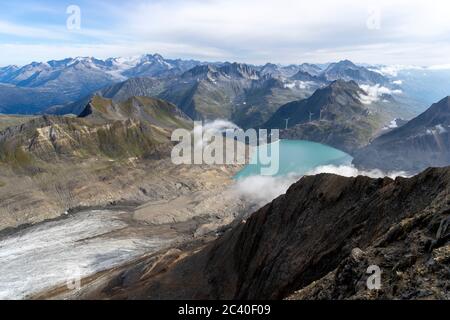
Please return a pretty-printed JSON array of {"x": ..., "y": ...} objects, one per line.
[{"x": 254, "y": 31}]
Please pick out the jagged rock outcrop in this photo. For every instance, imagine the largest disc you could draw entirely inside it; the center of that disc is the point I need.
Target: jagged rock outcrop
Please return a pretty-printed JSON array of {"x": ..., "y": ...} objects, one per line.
[{"x": 320, "y": 237}]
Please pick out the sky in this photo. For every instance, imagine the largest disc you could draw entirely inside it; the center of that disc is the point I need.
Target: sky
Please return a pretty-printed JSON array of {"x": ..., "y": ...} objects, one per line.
[{"x": 407, "y": 32}]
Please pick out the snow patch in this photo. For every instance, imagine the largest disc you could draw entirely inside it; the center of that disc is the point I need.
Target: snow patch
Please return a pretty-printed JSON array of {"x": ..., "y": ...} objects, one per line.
[
  {"x": 392, "y": 125},
  {"x": 438, "y": 129},
  {"x": 297, "y": 84}
]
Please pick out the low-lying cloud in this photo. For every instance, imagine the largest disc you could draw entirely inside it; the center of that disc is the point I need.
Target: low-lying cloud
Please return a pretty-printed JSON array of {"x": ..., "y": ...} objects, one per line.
[
  {"x": 216, "y": 127},
  {"x": 374, "y": 93},
  {"x": 260, "y": 190},
  {"x": 439, "y": 129},
  {"x": 352, "y": 171}
]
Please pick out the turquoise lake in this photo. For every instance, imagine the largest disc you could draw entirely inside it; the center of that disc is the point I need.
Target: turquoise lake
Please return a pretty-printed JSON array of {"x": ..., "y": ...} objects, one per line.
[{"x": 299, "y": 157}]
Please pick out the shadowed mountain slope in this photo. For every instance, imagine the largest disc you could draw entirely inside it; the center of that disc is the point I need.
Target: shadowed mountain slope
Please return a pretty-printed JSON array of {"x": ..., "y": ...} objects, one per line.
[
  {"x": 323, "y": 233},
  {"x": 420, "y": 143}
]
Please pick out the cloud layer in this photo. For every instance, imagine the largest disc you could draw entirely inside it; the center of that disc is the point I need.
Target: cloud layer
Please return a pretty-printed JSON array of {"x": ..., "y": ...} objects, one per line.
[
  {"x": 376, "y": 92},
  {"x": 260, "y": 190},
  {"x": 254, "y": 31}
]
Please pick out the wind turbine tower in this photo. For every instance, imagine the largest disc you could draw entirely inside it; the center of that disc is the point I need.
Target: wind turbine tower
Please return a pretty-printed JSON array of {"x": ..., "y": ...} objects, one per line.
[{"x": 287, "y": 122}]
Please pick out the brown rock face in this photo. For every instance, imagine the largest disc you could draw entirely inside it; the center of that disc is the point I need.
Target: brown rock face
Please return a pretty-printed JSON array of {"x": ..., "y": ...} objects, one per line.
[{"x": 327, "y": 229}]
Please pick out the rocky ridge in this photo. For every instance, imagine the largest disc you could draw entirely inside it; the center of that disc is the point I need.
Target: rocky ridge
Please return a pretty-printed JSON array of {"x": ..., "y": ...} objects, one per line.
[{"x": 319, "y": 238}]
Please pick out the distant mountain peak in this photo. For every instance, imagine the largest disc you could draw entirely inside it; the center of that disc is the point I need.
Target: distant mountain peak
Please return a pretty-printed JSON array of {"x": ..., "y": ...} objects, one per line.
[
  {"x": 239, "y": 70},
  {"x": 200, "y": 71},
  {"x": 346, "y": 62},
  {"x": 443, "y": 104},
  {"x": 346, "y": 85},
  {"x": 269, "y": 64},
  {"x": 347, "y": 70}
]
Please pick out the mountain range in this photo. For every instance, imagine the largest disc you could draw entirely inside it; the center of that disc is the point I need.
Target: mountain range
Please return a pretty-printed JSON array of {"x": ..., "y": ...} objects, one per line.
[
  {"x": 71, "y": 79},
  {"x": 340, "y": 104},
  {"x": 38, "y": 86},
  {"x": 99, "y": 145},
  {"x": 232, "y": 91}
]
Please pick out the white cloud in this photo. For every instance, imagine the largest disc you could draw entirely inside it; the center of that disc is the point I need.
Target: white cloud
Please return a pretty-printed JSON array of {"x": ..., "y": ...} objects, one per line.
[
  {"x": 392, "y": 125},
  {"x": 259, "y": 190},
  {"x": 374, "y": 93},
  {"x": 219, "y": 126},
  {"x": 440, "y": 67},
  {"x": 298, "y": 84},
  {"x": 325, "y": 30},
  {"x": 438, "y": 129},
  {"x": 351, "y": 171},
  {"x": 19, "y": 30},
  {"x": 255, "y": 31},
  {"x": 213, "y": 128},
  {"x": 393, "y": 70}
]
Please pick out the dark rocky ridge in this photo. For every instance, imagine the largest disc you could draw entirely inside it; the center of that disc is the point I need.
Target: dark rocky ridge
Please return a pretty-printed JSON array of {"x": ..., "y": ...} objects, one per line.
[{"x": 313, "y": 233}]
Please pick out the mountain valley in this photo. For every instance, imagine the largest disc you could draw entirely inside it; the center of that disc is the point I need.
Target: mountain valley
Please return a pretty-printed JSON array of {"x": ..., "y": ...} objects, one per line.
[{"x": 87, "y": 182}]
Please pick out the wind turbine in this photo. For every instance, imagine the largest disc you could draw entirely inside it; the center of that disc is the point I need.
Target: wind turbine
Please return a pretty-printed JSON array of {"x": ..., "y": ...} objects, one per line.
[{"x": 287, "y": 121}]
